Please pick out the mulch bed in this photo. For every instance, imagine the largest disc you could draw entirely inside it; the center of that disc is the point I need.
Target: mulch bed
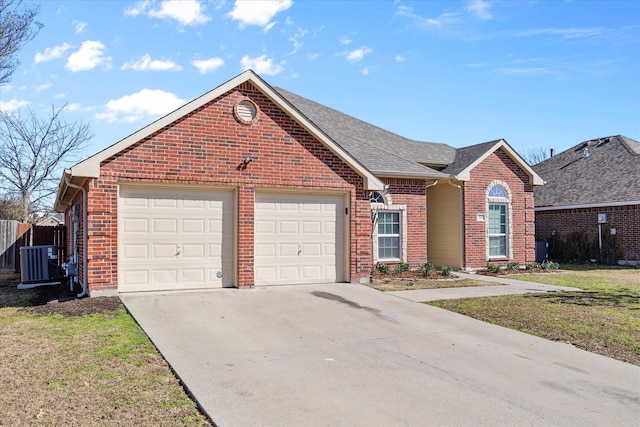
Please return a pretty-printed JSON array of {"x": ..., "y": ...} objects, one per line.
[{"x": 58, "y": 299}]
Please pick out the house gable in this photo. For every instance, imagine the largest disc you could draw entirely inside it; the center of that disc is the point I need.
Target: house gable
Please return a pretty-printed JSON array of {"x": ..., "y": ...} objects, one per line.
[{"x": 91, "y": 167}]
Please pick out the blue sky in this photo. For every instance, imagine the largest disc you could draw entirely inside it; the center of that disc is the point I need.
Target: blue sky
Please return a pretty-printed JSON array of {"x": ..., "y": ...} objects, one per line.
[{"x": 536, "y": 73}]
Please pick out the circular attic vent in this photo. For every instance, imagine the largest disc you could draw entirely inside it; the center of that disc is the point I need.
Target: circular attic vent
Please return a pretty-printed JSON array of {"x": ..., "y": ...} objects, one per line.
[{"x": 245, "y": 111}]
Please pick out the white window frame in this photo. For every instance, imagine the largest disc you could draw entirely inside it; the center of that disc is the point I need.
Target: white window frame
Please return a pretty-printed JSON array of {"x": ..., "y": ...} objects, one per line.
[
  {"x": 491, "y": 200},
  {"x": 394, "y": 236},
  {"x": 402, "y": 209}
]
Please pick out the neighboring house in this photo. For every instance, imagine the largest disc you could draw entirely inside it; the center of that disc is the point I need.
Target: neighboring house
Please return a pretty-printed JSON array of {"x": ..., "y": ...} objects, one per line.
[
  {"x": 594, "y": 181},
  {"x": 250, "y": 185},
  {"x": 51, "y": 220}
]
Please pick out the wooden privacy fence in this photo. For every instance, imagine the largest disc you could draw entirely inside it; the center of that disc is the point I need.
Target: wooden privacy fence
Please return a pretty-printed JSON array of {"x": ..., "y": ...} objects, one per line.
[
  {"x": 14, "y": 235},
  {"x": 8, "y": 241}
]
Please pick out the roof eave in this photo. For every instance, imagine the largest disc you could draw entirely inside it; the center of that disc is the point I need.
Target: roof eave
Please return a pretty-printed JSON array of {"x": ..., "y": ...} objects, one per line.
[
  {"x": 411, "y": 175},
  {"x": 534, "y": 178}
]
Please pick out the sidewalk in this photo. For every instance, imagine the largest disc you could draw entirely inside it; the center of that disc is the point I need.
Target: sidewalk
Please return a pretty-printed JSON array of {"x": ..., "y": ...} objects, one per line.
[{"x": 504, "y": 286}]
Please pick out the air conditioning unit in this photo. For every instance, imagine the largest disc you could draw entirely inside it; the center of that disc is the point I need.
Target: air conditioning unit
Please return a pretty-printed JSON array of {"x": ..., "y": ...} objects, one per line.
[{"x": 39, "y": 264}]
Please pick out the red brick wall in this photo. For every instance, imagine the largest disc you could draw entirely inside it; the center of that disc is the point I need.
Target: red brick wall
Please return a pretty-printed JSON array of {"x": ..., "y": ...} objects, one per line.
[
  {"x": 498, "y": 166},
  {"x": 412, "y": 193},
  {"x": 207, "y": 147},
  {"x": 625, "y": 219}
]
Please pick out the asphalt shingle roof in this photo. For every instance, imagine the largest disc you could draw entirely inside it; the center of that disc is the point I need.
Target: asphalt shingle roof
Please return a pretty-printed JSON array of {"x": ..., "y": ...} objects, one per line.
[
  {"x": 466, "y": 156},
  {"x": 380, "y": 151},
  {"x": 609, "y": 174}
]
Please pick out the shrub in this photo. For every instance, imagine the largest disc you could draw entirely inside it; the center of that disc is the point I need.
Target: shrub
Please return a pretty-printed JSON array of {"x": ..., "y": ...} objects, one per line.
[
  {"x": 532, "y": 266},
  {"x": 403, "y": 267},
  {"x": 549, "y": 265},
  {"x": 382, "y": 268},
  {"x": 493, "y": 268},
  {"x": 427, "y": 268},
  {"x": 446, "y": 270},
  {"x": 513, "y": 266}
]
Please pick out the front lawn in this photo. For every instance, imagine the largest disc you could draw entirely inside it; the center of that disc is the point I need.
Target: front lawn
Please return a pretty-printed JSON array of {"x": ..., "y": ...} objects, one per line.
[
  {"x": 604, "y": 318},
  {"x": 84, "y": 362}
]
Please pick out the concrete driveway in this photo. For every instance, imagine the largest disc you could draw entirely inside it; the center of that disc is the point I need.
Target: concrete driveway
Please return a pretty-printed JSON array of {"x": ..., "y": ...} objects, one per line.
[{"x": 348, "y": 355}]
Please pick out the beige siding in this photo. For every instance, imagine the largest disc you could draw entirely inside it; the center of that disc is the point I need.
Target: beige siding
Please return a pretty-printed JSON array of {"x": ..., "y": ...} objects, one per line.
[{"x": 444, "y": 231}]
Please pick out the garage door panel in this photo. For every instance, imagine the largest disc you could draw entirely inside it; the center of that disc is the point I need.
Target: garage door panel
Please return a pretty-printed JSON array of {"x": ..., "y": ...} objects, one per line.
[
  {"x": 296, "y": 238},
  {"x": 164, "y": 226},
  {"x": 288, "y": 226},
  {"x": 175, "y": 239},
  {"x": 136, "y": 225}
]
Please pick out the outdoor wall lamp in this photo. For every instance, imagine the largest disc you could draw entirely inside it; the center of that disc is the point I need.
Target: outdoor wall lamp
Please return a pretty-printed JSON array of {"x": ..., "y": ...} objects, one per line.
[{"x": 245, "y": 162}]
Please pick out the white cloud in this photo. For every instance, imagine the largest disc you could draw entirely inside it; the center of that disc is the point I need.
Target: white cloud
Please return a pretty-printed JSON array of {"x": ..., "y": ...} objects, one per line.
[
  {"x": 346, "y": 40},
  {"x": 186, "y": 12},
  {"x": 207, "y": 65},
  {"x": 313, "y": 56},
  {"x": 51, "y": 53},
  {"x": 365, "y": 71},
  {"x": 565, "y": 33},
  {"x": 480, "y": 8},
  {"x": 146, "y": 104},
  {"x": 137, "y": 9},
  {"x": 260, "y": 13},
  {"x": 147, "y": 64},
  {"x": 400, "y": 58},
  {"x": 44, "y": 86},
  {"x": 261, "y": 65},
  {"x": 296, "y": 39},
  {"x": 80, "y": 26},
  {"x": 89, "y": 56},
  {"x": 12, "y": 105},
  {"x": 74, "y": 106},
  {"x": 442, "y": 20},
  {"x": 357, "y": 54}
]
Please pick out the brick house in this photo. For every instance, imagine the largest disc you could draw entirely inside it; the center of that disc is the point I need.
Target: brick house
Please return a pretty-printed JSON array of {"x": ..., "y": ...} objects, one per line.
[
  {"x": 251, "y": 185},
  {"x": 595, "y": 181}
]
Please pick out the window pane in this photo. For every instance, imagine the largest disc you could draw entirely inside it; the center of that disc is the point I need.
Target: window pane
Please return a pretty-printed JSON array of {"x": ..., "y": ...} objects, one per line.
[
  {"x": 498, "y": 246},
  {"x": 388, "y": 247}
]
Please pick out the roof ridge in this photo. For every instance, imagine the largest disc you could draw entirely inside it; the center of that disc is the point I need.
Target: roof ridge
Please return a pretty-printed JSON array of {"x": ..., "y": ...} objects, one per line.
[{"x": 279, "y": 89}]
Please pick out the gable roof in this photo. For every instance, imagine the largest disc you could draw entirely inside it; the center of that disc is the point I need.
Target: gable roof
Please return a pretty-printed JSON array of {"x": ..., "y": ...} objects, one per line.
[
  {"x": 370, "y": 151},
  {"x": 468, "y": 158},
  {"x": 90, "y": 167},
  {"x": 382, "y": 152},
  {"x": 610, "y": 174}
]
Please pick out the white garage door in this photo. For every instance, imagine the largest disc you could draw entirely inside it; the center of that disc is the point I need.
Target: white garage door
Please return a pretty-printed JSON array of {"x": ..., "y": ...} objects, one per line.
[
  {"x": 175, "y": 238},
  {"x": 299, "y": 238}
]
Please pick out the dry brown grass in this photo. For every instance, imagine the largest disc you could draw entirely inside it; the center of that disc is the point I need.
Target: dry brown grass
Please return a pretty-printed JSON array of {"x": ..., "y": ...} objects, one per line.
[
  {"x": 604, "y": 318},
  {"x": 70, "y": 368},
  {"x": 413, "y": 284}
]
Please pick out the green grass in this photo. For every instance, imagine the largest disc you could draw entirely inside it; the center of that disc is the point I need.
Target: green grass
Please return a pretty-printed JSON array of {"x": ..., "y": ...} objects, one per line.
[{"x": 603, "y": 318}]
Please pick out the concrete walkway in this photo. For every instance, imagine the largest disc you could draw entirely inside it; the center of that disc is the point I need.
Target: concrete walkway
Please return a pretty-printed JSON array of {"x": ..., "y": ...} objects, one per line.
[{"x": 504, "y": 286}]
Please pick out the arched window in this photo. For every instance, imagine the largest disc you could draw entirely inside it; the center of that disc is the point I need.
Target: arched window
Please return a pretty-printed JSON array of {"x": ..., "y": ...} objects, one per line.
[
  {"x": 375, "y": 197},
  {"x": 498, "y": 202}
]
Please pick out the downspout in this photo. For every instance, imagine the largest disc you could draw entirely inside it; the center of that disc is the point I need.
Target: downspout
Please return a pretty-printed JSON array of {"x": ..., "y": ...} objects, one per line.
[
  {"x": 462, "y": 257},
  {"x": 85, "y": 233}
]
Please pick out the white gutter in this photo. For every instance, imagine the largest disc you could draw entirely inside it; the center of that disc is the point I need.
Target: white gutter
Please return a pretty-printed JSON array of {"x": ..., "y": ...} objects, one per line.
[
  {"x": 587, "y": 205},
  {"x": 85, "y": 233}
]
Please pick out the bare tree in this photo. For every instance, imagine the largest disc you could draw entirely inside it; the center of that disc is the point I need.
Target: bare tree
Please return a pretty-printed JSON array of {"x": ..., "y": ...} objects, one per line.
[
  {"x": 17, "y": 27},
  {"x": 11, "y": 209},
  {"x": 535, "y": 155},
  {"x": 31, "y": 153}
]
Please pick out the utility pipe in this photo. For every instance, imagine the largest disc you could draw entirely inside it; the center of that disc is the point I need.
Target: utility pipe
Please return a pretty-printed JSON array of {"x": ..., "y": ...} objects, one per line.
[{"x": 85, "y": 234}]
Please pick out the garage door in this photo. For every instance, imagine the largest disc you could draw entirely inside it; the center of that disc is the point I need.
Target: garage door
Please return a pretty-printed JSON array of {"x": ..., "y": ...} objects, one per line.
[
  {"x": 299, "y": 238},
  {"x": 175, "y": 238}
]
